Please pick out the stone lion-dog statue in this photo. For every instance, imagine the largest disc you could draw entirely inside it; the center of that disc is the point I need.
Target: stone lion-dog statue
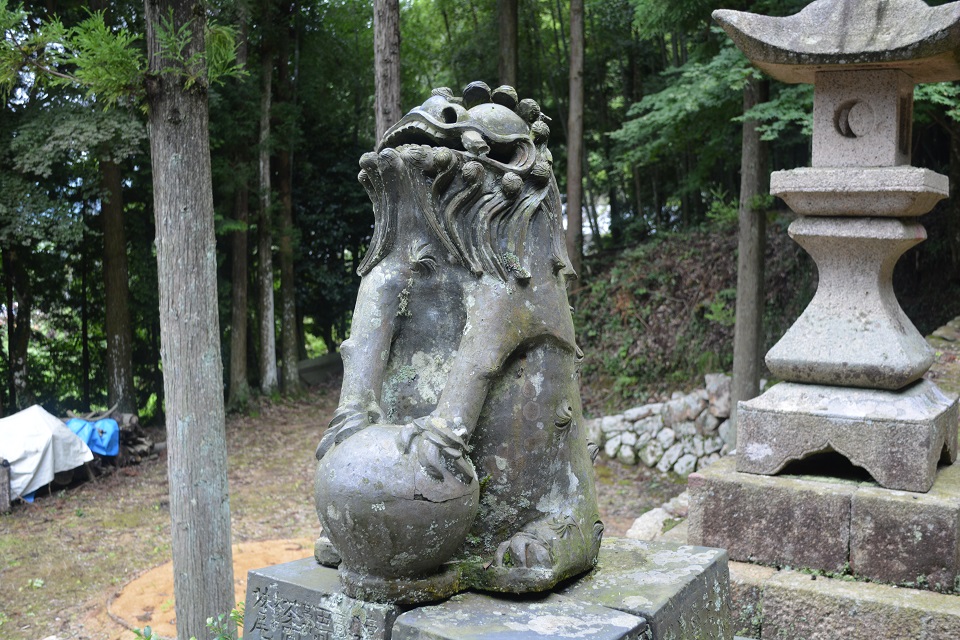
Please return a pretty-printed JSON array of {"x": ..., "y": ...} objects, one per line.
[{"x": 457, "y": 457}]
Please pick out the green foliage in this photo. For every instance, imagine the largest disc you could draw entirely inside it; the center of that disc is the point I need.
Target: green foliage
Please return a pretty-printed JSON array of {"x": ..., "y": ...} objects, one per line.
[
  {"x": 108, "y": 61},
  {"x": 790, "y": 108},
  {"x": 945, "y": 95},
  {"x": 722, "y": 308},
  {"x": 223, "y": 627}
]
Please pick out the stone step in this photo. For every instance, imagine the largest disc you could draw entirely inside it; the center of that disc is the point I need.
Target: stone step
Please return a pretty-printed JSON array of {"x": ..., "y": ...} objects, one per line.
[
  {"x": 831, "y": 525},
  {"x": 791, "y": 605}
]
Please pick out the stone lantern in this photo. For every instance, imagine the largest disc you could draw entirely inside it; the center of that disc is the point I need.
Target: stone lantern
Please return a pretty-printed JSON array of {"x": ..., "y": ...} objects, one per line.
[{"x": 852, "y": 364}]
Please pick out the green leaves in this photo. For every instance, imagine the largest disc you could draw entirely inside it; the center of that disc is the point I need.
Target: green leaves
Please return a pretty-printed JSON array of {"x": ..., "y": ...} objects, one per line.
[{"x": 107, "y": 62}]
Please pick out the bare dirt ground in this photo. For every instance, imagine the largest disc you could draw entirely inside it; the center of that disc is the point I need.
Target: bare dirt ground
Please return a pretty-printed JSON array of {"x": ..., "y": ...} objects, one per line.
[{"x": 65, "y": 557}]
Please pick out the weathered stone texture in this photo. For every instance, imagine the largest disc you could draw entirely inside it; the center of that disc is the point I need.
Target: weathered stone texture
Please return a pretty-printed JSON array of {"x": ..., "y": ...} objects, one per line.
[
  {"x": 681, "y": 590},
  {"x": 771, "y": 520},
  {"x": 853, "y": 333},
  {"x": 798, "y": 605},
  {"x": 919, "y": 39},
  {"x": 472, "y": 616},
  {"x": 898, "y": 437},
  {"x": 746, "y": 596},
  {"x": 908, "y": 538},
  {"x": 833, "y": 525},
  {"x": 862, "y": 119},
  {"x": 304, "y": 599},
  {"x": 860, "y": 191}
]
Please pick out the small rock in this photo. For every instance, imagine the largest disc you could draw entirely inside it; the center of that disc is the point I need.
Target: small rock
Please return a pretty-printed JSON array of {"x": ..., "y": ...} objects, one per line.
[
  {"x": 707, "y": 460},
  {"x": 594, "y": 433},
  {"x": 613, "y": 424},
  {"x": 707, "y": 422},
  {"x": 718, "y": 391},
  {"x": 627, "y": 455},
  {"x": 637, "y": 413},
  {"x": 695, "y": 445},
  {"x": 679, "y": 505},
  {"x": 676, "y": 394},
  {"x": 728, "y": 433},
  {"x": 650, "y": 454},
  {"x": 651, "y": 425},
  {"x": 670, "y": 457},
  {"x": 685, "y": 429},
  {"x": 643, "y": 439},
  {"x": 666, "y": 438},
  {"x": 611, "y": 447},
  {"x": 683, "y": 409},
  {"x": 649, "y": 525},
  {"x": 628, "y": 439},
  {"x": 685, "y": 465},
  {"x": 712, "y": 444}
]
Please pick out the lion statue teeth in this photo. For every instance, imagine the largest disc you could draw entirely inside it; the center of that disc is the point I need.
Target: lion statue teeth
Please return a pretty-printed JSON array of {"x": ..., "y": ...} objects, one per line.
[{"x": 457, "y": 457}]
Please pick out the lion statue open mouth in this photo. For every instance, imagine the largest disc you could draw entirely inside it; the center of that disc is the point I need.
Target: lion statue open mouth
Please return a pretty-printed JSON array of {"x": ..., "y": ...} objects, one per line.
[{"x": 456, "y": 458}]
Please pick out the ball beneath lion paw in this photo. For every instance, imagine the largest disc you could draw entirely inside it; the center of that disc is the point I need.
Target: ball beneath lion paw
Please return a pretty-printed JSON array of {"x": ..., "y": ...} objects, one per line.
[{"x": 386, "y": 513}]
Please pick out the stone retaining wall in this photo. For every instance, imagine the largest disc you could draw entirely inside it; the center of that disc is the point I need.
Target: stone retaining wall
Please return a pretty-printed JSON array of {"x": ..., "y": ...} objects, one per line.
[{"x": 683, "y": 434}]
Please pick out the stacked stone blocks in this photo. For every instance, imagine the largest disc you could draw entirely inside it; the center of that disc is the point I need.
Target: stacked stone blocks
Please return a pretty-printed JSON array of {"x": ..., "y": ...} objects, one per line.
[{"x": 683, "y": 434}]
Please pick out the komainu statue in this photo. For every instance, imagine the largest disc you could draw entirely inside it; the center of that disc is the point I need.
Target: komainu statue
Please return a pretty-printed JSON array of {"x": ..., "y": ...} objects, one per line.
[{"x": 457, "y": 458}]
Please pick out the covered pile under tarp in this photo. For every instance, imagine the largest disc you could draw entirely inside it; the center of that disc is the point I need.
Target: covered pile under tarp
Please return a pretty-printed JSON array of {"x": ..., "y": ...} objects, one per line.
[{"x": 38, "y": 445}]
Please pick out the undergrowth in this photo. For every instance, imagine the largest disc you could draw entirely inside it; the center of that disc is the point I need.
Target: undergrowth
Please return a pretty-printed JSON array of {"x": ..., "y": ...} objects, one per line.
[{"x": 654, "y": 318}]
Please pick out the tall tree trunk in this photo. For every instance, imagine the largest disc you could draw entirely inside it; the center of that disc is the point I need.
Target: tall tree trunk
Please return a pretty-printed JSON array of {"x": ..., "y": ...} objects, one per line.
[
  {"x": 239, "y": 393},
  {"x": 19, "y": 337},
  {"x": 189, "y": 324},
  {"x": 575, "y": 139},
  {"x": 85, "y": 317},
  {"x": 120, "y": 390},
  {"x": 11, "y": 320},
  {"x": 268, "y": 338},
  {"x": 239, "y": 386},
  {"x": 288, "y": 293},
  {"x": 386, "y": 63},
  {"x": 754, "y": 182},
  {"x": 507, "y": 17}
]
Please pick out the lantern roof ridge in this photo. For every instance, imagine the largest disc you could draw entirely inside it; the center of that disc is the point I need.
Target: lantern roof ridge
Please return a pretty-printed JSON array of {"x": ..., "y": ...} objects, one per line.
[{"x": 909, "y": 35}]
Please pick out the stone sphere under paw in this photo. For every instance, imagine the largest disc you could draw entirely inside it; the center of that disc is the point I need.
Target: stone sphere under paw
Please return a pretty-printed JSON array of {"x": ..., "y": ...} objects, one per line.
[{"x": 384, "y": 512}]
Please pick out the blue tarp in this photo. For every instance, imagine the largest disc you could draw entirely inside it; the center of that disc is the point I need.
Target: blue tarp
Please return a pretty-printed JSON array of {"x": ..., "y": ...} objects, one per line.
[{"x": 102, "y": 436}]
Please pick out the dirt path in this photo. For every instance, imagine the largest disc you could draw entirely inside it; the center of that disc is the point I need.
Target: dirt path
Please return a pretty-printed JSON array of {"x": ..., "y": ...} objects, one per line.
[{"x": 63, "y": 557}]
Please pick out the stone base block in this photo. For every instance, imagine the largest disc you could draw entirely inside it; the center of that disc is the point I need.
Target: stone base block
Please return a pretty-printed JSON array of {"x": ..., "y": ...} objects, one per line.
[
  {"x": 898, "y": 437},
  {"x": 682, "y": 591},
  {"x": 648, "y": 590},
  {"x": 797, "y": 605},
  {"x": 831, "y": 525},
  {"x": 302, "y": 599}
]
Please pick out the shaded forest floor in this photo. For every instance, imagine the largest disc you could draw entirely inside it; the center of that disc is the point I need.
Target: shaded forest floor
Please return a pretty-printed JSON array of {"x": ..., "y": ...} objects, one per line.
[{"x": 64, "y": 556}]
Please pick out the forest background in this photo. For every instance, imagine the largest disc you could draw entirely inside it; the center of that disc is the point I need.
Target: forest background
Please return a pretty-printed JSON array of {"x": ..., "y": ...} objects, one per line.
[{"x": 292, "y": 112}]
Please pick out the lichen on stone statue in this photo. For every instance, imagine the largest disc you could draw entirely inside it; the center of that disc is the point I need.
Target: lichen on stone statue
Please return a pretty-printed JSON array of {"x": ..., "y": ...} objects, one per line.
[{"x": 457, "y": 457}]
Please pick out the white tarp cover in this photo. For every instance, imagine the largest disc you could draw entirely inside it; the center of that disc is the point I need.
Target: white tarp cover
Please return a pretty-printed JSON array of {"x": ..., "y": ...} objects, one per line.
[{"x": 38, "y": 445}]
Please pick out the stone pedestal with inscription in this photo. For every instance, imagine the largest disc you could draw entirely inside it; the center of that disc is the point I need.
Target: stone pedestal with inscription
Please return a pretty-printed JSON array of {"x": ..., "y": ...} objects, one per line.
[{"x": 648, "y": 590}]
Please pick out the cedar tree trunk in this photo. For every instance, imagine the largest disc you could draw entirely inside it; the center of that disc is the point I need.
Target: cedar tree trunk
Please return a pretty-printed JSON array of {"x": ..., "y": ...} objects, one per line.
[
  {"x": 120, "y": 389},
  {"x": 575, "y": 139},
  {"x": 507, "y": 21},
  {"x": 386, "y": 63},
  {"x": 268, "y": 338},
  {"x": 754, "y": 182},
  {"x": 239, "y": 393},
  {"x": 189, "y": 326}
]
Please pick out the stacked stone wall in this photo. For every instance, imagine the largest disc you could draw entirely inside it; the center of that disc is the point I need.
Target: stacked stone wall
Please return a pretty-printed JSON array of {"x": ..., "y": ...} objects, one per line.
[{"x": 682, "y": 434}]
